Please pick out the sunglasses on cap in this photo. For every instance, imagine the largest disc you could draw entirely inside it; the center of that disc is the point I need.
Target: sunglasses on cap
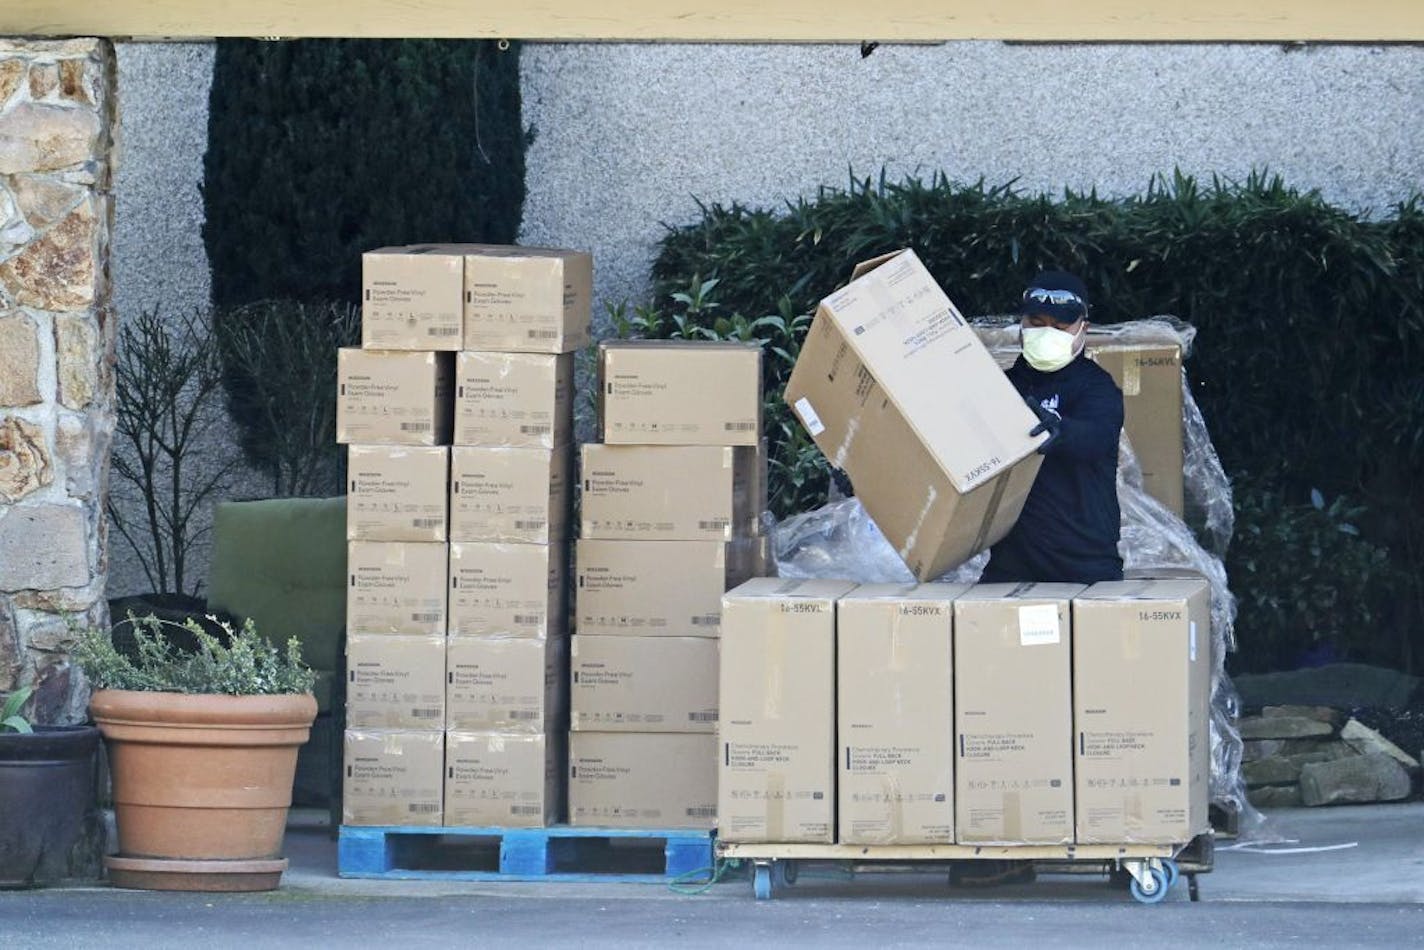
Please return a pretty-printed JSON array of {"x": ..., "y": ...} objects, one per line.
[{"x": 1056, "y": 297}]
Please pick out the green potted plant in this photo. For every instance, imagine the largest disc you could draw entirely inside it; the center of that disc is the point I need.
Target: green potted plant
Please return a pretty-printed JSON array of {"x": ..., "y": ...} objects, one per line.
[
  {"x": 47, "y": 800},
  {"x": 202, "y": 749}
]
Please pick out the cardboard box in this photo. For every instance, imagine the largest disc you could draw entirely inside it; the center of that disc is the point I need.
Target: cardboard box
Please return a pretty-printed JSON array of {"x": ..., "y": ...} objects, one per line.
[
  {"x": 668, "y": 492},
  {"x": 393, "y": 778},
  {"x": 642, "y": 780},
  {"x": 643, "y": 684},
  {"x": 395, "y": 682},
  {"x": 389, "y": 397},
  {"x": 1013, "y": 714},
  {"x": 411, "y": 300},
  {"x": 1141, "y": 696},
  {"x": 660, "y": 588},
  {"x": 526, "y": 299},
  {"x": 505, "y": 684},
  {"x": 679, "y": 392},
  {"x": 397, "y": 493},
  {"x": 508, "y": 590},
  {"x": 776, "y": 778},
  {"x": 504, "y": 781},
  {"x": 395, "y": 587},
  {"x": 1150, "y": 377},
  {"x": 890, "y": 370},
  {"x": 510, "y": 495},
  {"x": 895, "y": 710},
  {"x": 514, "y": 399}
]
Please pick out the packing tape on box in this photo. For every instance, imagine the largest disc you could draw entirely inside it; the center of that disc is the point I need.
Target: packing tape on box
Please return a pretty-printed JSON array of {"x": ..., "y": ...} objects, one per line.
[
  {"x": 1001, "y": 483},
  {"x": 1013, "y": 816}
]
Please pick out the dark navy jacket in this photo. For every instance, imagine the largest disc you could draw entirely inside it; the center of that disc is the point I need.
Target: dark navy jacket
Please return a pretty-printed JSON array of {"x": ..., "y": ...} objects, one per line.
[{"x": 1070, "y": 523}]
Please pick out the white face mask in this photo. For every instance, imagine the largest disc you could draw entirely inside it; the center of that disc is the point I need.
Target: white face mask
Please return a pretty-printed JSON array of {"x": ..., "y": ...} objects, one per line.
[{"x": 1049, "y": 349}]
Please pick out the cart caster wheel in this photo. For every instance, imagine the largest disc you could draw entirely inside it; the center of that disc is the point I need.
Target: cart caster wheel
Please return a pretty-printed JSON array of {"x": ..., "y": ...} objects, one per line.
[
  {"x": 1192, "y": 891},
  {"x": 784, "y": 873},
  {"x": 1173, "y": 873},
  {"x": 761, "y": 882},
  {"x": 1158, "y": 890}
]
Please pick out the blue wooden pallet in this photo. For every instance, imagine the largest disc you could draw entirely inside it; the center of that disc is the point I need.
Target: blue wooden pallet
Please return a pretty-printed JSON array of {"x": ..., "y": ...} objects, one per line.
[{"x": 558, "y": 854}]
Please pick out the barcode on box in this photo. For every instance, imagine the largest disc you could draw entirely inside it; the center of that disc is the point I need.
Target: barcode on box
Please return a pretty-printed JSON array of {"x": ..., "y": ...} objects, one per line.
[
  {"x": 707, "y": 620},
  {"x": 427, "y": 712},
  {"x": 535, "y": 430},
  {"x": 528, "y": 619},
  {"x": 430, "y": 617},
  {"x": 518, "y": 714},
  {"x": 442, "y": 331},
  {"x": 524, "y": 809},
  {"x": 529, "y": 525},
  {"x": 426, "y": 522},
  {"x": 422, "y": 808},
  {"x": 716, "y": 524},
  {"x": 701, "y": 717},
  {"x": 704, "y": 811},
  {"x": 415, "y": 426},
  {"x": 543, "y": 334},
  {"x": 738, "y": 426}
]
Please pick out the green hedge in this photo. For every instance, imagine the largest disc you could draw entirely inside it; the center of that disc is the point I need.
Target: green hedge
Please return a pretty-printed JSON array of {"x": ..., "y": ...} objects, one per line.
[{"x": 1307, "y": 363}]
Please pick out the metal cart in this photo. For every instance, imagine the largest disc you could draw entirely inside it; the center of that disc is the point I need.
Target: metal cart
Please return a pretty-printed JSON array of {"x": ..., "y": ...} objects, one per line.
[{"x": 1150, "y": 870}]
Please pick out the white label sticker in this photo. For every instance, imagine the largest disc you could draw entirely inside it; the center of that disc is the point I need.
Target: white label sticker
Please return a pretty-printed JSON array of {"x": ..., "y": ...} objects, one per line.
[
  {"x": 1192, "y": 640},
  {"x": 809, "y": 417},
  {"x": 1038, "y": 625}
]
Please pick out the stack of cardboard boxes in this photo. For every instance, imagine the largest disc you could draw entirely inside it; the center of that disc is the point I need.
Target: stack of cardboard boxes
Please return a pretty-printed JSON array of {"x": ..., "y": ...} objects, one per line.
[
  {"x": 670, "y": 504},
  {"x": 458, "y": 408},
  {"x": 1033, "y": 714}
]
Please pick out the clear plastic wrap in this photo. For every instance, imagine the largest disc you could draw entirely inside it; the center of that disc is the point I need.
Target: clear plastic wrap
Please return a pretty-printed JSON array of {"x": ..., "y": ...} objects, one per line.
[{"x": 840, "y": 540}]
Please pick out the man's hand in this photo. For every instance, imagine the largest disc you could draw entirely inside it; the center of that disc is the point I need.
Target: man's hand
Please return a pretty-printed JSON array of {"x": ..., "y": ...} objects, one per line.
[{"x": 1048, "y": 421}]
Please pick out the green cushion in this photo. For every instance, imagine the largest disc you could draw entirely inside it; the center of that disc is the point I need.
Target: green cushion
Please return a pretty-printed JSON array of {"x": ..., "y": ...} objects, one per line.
[{"x": 282, "y": 562}]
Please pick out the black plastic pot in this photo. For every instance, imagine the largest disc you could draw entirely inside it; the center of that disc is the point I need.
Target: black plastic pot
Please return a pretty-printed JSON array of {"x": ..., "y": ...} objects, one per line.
[{"x": 48, "y": 810}]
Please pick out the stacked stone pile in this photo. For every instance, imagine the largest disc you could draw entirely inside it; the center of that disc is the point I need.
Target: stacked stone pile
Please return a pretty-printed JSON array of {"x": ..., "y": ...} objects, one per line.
[{"x": 1319, "y": 755}]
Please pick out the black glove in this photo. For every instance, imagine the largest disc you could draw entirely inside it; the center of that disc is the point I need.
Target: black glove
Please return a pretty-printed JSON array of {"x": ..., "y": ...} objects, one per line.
[
  {"x": 842, "y": 482},
  {"x": 1048, "y": 421}
]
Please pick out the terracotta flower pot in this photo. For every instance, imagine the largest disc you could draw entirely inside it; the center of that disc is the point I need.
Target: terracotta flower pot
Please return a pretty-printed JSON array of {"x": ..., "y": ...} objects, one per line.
[{"x": 202, "y": 785}]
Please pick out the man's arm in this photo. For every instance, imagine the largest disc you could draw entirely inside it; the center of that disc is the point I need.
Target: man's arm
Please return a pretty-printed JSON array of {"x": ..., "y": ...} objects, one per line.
[{"x": 1092, "y": 428}]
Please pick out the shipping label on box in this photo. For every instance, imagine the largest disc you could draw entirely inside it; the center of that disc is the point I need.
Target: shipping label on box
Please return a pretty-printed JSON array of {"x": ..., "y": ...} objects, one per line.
[
  {"x": 392, "y": 778},
  {"x": 388, "y": 397},
  {"x": 504, "y": 781},
  {"x": 676, "y": 392},
  {"x": 895, "y": 708},
  {"x": 1141, "y": 692},
  {"x": 395, "y": 682},
  {"x": 776, "y": 772},
  {"x": 509, "y": 590},
  {"x": 642, "y": 780},
  {"x": 505, "y": 684},
  {"x": 395, "y": 587},
  {"x": 526, "y": 299},
  {"x": 514, "y": 399},
  {"x": 643, "y": 684},
  {"x": 510, "y": 495},
  {"x": 891, "y": 371},
  {"x": 1013, "y": 714},
  {"x": 411, "y": 300},
  {"x": 668, "y": 492},
  {"x": 659, "y": 588},
  {"x": 397, "y": 493}
]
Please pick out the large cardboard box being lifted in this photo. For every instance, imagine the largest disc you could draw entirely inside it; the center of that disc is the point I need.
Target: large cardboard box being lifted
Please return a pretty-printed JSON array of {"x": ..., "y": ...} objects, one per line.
[
  {"x": 673, "y": 392},
  {"x": 1013, "y": 714},
  {"x": 896, "y": 389},
  {"x": 1141, "y": 695},
  {"x": 776, "y": 775},
  {"x": 642, "y": 780},
  {"x": 895, "y": 706}
]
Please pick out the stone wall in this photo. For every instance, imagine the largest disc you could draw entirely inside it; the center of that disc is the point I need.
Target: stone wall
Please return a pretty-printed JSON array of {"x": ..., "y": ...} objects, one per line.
[{"x": 57, "y": 112}]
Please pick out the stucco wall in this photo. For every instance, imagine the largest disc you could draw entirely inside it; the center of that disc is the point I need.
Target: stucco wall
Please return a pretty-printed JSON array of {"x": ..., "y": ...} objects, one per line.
[{"x": 627, "y": 135}]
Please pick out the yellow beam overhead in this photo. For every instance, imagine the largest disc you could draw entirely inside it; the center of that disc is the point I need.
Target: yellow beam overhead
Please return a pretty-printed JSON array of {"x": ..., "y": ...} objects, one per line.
[{"x": 729, "y": 20}]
